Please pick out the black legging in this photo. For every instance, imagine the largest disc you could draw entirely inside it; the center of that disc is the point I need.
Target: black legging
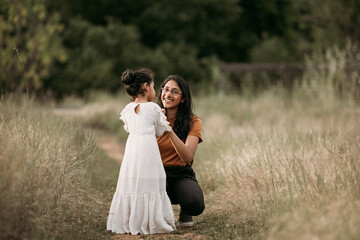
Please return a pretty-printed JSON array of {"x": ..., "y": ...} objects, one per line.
[{"x": 183, "y": 188}]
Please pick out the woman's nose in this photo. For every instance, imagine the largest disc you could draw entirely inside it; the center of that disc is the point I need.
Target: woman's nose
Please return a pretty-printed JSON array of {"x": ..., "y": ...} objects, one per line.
[{"x": 167, "y": 94}]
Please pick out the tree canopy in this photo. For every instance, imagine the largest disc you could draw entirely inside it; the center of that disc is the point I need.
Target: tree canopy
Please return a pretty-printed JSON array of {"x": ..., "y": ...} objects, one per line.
[{"x": 67, "y": 46}]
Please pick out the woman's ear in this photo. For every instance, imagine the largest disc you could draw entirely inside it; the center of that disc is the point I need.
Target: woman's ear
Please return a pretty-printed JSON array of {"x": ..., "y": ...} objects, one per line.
[{"x": 182, "y": 100}]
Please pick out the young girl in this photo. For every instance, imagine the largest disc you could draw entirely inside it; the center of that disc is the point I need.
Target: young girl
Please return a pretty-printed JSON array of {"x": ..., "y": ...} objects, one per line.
[{"x": 140, "y": 203}]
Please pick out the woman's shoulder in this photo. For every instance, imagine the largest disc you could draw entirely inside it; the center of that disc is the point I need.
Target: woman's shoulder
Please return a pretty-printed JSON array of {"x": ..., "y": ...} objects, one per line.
[
  {"x": 195, "y": 124},
  {"x": 195, "y": 119},
  {"x": 196, "y": 127}
]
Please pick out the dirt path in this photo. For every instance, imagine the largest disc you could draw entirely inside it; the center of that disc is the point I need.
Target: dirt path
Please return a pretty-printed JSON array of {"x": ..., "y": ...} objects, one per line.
[
  {"x": 186, "y": 236},
  {"x": 115, "y": 150},
  {"x": 110, "y": 145}
]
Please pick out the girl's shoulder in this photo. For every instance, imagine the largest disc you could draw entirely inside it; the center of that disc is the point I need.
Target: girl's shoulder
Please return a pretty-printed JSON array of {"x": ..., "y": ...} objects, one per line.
[
  {"x": 152, "y": 106},
  {"x": 127, "y": 107},
  {"x": 144, "y": 106}
]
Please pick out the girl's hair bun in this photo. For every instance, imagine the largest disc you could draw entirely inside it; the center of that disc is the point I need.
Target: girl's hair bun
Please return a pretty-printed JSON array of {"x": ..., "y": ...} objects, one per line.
[
  {"x": 133, "y": 80},
  {"x": 128, "y": 77}
]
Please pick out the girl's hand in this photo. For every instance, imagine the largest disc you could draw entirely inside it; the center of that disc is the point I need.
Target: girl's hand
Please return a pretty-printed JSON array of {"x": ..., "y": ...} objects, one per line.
[{"x": 164, "y": 112}]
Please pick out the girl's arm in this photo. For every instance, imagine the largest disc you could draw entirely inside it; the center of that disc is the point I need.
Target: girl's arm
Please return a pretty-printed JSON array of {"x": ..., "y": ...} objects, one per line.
[{"x": 186, "y": 150}]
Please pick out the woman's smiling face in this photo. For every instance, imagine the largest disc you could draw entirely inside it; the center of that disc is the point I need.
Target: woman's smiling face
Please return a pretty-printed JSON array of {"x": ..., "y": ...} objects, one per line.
[{"x": 171, "y": 95}]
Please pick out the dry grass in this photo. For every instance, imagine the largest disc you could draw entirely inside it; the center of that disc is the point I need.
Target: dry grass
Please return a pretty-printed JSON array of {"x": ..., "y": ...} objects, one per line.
[
  {"x": 285, "y": 165},
  {"x": 273, "y": 166},
  {"x": 45, "y": 187},
  {"x": 278, "y": 166},
  {"x": 288, "y": 168}
]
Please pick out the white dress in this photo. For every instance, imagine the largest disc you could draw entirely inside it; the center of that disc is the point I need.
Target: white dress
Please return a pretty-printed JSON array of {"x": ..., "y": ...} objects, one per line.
[{"x": 140, "y": 203}]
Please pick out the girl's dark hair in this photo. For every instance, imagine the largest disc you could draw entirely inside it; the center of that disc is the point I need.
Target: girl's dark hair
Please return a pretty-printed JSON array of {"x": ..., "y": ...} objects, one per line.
[
  {"x": 133, "y": 80},
  {"x": 185, "y": 114}
]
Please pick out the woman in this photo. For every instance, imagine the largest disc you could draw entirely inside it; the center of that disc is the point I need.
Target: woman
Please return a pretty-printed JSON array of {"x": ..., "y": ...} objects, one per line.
[{"x": 178, "y": 147}]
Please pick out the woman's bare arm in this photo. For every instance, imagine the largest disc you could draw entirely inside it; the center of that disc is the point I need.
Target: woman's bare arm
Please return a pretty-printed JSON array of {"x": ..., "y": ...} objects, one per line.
[{"x": 186, "y": 150}]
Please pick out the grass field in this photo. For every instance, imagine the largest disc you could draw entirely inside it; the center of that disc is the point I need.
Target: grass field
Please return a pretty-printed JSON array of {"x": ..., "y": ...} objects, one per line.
[{"x": 281, "y": 165}]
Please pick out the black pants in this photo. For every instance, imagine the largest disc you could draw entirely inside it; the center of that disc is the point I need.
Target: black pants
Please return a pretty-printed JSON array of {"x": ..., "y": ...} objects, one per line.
[{"x": 183, "y": 188}]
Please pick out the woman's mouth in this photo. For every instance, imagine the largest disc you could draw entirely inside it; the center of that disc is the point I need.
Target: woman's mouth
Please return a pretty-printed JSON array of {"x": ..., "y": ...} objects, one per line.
[{"x": 168, "y": 100}]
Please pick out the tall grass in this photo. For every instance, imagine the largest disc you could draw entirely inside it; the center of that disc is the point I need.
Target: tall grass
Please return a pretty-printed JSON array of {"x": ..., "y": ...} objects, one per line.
[
  {"x": 279, "y": 165},
  {"x": 46, "y": 190},
  {"x": 290, "y": 162}
]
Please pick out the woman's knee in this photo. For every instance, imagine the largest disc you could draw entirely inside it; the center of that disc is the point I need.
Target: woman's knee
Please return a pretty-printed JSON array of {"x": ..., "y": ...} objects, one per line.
[
  {"x": 190, "y": 197},
  {"x": 193, "y": 209},
  {"x": 192, "y": 204}
]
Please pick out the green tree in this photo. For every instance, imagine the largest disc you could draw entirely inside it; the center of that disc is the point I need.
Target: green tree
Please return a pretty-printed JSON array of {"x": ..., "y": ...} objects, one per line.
[
  {"x": 334, "y": 22},
  {"x": 29, "y": 44},
  {"x": 99, "y": 54},
  {"x": 203, "y": 24},
  {"x": 228, "y": 29}
]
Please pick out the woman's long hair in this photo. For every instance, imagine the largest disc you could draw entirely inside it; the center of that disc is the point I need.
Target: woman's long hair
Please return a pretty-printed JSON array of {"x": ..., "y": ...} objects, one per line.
[{"x": 184, "y": 115}]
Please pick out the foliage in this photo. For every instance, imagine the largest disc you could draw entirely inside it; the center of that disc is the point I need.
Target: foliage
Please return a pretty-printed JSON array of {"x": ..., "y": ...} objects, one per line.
[
  {"x": 202, "y": 23},
  {"x": 273, "y": 50},
  {"x": 67, "y": 48},
  {"x": 99, "y": 54},
  {"x": 333, "y": 22},
  {"x": 227, "y": 29},
  {"x": 29, "y": 44}
]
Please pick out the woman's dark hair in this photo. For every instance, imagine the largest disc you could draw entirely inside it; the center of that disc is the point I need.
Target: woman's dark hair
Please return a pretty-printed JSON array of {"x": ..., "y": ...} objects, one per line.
[
  {"x": 133, "y": 80},
  {"x": 184, "y": 115}
]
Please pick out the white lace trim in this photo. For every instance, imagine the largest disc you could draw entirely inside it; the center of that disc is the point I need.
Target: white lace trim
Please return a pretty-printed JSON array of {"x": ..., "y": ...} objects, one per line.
[
  {"x": 122, "y": 117},
  {"x": 162, "y": 121}
]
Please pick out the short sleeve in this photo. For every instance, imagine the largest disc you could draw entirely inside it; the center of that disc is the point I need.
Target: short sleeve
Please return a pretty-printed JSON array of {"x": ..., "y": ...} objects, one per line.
[
  {"x": 195, "y": 128},
  {"x": 123, "y": 118},
  {"x": 161, "y": 124}
]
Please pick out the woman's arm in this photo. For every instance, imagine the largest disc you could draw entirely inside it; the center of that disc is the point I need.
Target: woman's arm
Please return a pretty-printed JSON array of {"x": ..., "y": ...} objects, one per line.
[{"x": 186, "y": 150}]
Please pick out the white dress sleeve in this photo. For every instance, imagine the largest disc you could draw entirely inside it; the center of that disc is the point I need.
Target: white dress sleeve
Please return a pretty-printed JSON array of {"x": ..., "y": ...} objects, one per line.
[
  {"x": 123, "y": 118},
  {"x": 161, "y": 125}
]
